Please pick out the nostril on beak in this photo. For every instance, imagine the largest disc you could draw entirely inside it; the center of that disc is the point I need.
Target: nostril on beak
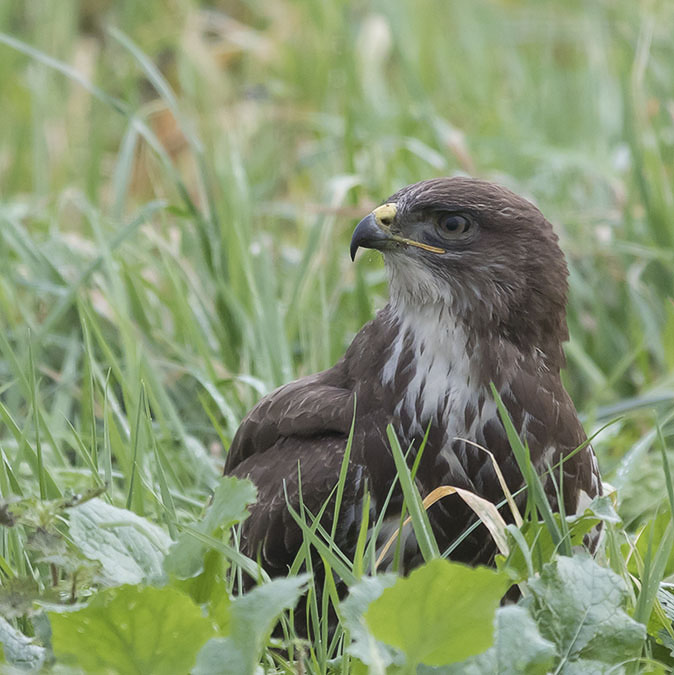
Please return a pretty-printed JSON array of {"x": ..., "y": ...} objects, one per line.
[{"x": 385, "y": 215}]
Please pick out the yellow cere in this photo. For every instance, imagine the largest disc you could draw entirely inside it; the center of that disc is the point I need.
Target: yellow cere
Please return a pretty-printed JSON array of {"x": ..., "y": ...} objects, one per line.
[{"x": 385, "y": 214}]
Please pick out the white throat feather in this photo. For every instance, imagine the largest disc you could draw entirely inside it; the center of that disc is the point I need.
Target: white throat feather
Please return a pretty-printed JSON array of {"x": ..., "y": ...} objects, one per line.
[{"x": 439, "y": 375}]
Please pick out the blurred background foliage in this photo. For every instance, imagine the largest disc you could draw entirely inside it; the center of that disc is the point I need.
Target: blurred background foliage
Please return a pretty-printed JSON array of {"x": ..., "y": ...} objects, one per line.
[{"x": 179, "y": 181}]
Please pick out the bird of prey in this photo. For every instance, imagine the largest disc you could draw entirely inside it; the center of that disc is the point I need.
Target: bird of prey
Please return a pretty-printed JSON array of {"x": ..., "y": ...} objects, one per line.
[{"x": 477, "y": 287}]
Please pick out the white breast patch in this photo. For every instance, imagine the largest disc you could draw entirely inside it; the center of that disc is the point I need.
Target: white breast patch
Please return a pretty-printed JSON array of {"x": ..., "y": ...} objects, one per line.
[{"x": 441, "y": 386}]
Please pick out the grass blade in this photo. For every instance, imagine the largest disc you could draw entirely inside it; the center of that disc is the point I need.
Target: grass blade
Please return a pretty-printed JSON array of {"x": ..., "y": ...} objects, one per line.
[{"x": 420, "y": 522}]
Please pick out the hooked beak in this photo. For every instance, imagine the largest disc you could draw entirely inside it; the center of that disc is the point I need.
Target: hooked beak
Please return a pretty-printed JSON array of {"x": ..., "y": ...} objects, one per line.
[{"x": 374, "y": 231}]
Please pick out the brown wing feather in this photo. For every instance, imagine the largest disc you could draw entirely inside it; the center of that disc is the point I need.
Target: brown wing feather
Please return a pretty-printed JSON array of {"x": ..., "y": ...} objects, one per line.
[
  {"x": 271, "y": 531},
  {"x": 298, "y": 430},
  {"x": 552, "y": 430},
  {"x": 310, "y": 406}
]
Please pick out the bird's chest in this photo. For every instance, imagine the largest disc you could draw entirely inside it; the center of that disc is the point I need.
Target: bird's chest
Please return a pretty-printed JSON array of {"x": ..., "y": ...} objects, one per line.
[{"x": 430, "y": 371}]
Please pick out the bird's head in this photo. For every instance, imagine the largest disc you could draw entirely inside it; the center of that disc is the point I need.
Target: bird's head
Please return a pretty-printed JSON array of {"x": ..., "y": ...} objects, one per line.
[{"x": 477, "y": 250}]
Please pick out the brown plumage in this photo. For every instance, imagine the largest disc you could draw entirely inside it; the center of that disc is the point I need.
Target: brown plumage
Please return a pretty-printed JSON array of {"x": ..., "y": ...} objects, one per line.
[{"x": 477, "y": 295}]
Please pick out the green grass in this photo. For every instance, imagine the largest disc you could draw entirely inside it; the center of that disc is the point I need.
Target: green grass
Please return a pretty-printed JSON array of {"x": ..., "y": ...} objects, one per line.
[{"x": 177, "y": 191}]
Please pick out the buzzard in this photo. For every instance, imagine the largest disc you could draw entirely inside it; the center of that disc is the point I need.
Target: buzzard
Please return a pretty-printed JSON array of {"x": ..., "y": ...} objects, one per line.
[{"x": 477, "y": 286}]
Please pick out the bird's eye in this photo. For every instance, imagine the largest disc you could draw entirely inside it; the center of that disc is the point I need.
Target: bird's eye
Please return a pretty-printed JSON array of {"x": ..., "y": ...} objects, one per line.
[{"x": 453, "y": 225}]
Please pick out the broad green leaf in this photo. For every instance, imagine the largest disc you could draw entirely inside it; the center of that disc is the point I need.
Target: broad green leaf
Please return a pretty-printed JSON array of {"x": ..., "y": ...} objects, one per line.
[
  {"x": 601, "y": 507},
  {"x": 230, "y": 501},
  {"x": 519, "y": 649},
  {"x": 132, "y": 629},
  {"x": 223, "y": 656},
  {"x": 442, "y": 613},
  {"x": 578, "y": 605},
  {"x": 253, "y": 616},
  {"x": 664, "y": 631},
  {"x": 130, "y": 549},
  {"x": 255, "y": 613},
  {"x": 591, "y": 667},
  {"x": 541, "y": 547},
  {"x": 364, "y": 646},
  {"x": 210, "y": 588},
  {"x": 18, "y": 649}
]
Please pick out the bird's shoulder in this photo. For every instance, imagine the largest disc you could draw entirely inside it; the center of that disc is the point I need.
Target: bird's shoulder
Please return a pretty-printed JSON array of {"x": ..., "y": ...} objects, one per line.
[
  {"x": 318, "y": 405},
  {"x": 314, "y": 405}
]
